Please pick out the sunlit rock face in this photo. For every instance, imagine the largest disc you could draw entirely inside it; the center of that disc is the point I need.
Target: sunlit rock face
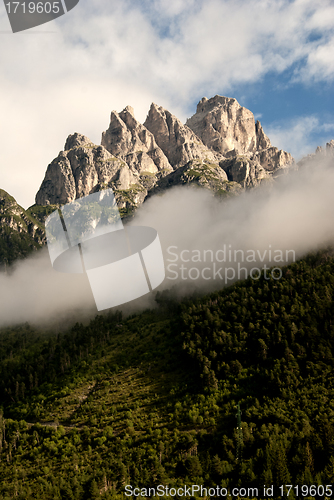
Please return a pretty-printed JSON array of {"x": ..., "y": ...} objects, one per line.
[
  {"x": 82, "y": 168},
  {"x": 224, "y": 126},
  {"x": 179, "y": 143},
  {"x": 128, "y": 139},
  {"x": 220, "y": 144},
  {"x": 230, "y": 129}
]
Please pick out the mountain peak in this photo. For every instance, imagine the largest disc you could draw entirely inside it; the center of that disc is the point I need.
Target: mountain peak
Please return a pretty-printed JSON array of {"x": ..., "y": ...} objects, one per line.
[
  {"x": 76, "y": 140},
  {"x": 129, "y": 109},
  {"x": 179, "y": 143},
  {"x": 206, "y": 104},
  {"x": 221, "y": 141},
  {"x": 226, "y": 127}
]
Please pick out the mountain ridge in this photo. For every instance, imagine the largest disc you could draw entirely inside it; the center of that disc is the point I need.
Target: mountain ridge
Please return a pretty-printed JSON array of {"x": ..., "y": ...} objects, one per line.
[
  {"x": 142, "y": 155},
  {"x": 221, "y": 148}
]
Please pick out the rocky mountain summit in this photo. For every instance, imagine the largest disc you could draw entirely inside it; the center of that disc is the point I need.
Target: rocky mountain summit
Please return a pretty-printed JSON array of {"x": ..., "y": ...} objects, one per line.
[
  {"x": 226, "y": 127},
  {"x": 84, "y": 168},
  {"x": 221, "y": 147},
  {"x": 179, "y": 143},
  {"x": 230, "y": 129},
  {"x": 128, "y": 139}
]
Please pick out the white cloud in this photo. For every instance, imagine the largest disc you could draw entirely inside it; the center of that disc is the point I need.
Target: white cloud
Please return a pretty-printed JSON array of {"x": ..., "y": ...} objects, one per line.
[
  {"x": 320, "y": 62},
  {"x": 290, "y": 215},
  {"x": 297, "y": 135},
  {"x": 107, "y": 55}
]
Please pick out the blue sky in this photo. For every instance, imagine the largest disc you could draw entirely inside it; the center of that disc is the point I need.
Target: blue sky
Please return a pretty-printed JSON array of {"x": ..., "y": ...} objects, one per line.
[{"x": 275, "y": 57}]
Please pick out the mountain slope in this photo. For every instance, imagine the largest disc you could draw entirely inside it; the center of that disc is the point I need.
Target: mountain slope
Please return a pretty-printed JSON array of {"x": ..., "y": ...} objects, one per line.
[
  {"x": 20, "y": 231},
  {"x": 121, "y": 402}
]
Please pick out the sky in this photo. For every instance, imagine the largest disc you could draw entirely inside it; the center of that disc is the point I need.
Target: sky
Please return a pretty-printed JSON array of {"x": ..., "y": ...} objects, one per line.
[{"x": 275, "y": 57}]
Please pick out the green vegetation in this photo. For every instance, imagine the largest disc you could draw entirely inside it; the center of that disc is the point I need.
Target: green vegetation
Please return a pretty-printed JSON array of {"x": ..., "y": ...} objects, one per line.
[
  {"x": 146, "y": 173},
  {"x": 112, "y": 159},
  {"x": 129, "y": 198},
  {"x": 194, "y": 173},
  {"x": 20, "y": 231},
  {"x": 209, "y": 175},
  {"x": 148, "y": 180},
  {"x": 15, "y": 245},
  {"x": 228, "y": 189},
  {"x": 206, "y": 170},
  {"x": 152, "y": 399},
  {"x": 41, "y": 212}
]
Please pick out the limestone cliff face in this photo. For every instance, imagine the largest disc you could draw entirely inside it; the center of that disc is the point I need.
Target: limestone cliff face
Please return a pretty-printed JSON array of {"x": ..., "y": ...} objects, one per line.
[
  {"x": 230, "y": 129},
  {"x": 179, "y": 143},
  {"x": 262, "y": 141},
  {"x": 273, "y": 159},
  {"x": 219, "y": 147},
  {"x": 202, "y": 174},
  {"x": 128, "y": 139},
  {"x": 245, "y": 171},
  {"x": 224, "y": 125},
  {"x": 83, "y": 168}
]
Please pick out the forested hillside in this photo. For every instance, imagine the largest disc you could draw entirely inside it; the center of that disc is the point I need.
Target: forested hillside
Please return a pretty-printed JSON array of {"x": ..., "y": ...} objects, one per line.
[
  {"x": 21, "y": 231},
  {"x": 152, "y": 398}
]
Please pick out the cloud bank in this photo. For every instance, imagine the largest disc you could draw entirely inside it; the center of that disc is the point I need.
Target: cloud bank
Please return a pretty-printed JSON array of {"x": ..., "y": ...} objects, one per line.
[{"x": 295, "y": 213}]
